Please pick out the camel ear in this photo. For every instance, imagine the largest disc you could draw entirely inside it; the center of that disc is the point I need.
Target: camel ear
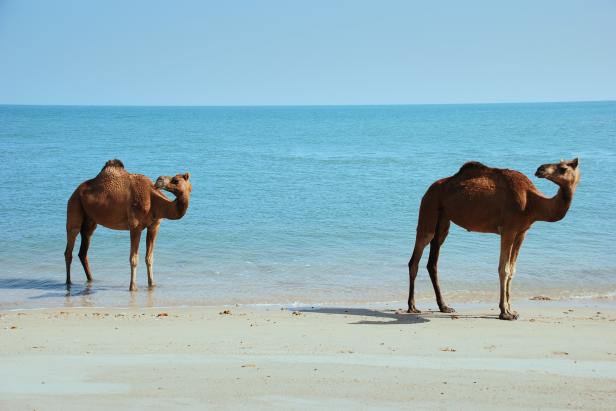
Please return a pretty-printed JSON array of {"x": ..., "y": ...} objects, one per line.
[
  {"x": 574, "y": 163},
  {"x": 186, "y": 176}
]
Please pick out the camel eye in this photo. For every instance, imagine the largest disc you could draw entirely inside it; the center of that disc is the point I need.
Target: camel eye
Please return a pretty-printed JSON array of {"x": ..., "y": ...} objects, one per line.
[
  {"x": 562, "y": 170},
  {"x": 174, "y": 180}
]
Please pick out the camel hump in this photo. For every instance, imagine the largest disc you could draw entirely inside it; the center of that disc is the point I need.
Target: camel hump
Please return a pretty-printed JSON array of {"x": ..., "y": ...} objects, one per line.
[
  {"x": 472, "y": 165},
  {"x": 112, "y": 169},
  {"x": 114, "y": 163}
]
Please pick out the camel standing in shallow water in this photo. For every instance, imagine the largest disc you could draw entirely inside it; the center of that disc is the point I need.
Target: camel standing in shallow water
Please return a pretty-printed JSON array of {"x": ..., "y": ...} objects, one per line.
[
  {"x": 119, "y": 200},
  {"x": 489, "y": 200}
]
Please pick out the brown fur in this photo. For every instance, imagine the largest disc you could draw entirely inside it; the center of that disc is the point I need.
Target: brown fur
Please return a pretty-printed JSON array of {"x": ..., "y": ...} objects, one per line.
[
  {"x": 120, "y": 200},
  {"x": 488, "y": 200}
]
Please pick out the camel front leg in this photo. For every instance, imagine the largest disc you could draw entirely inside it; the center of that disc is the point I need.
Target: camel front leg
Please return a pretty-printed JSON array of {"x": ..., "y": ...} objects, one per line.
[
  {"x": 515, "y": 251},
  {"x": 135, "y": 237},
  {"x": 504, "y": 274},
  {"x": 149, "y": 253}
]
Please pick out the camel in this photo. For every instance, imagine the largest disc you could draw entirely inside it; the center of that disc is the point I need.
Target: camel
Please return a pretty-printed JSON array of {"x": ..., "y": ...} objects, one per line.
[
  {"x": 119, "y": 200},
  {"x": 488, "y": 200}
]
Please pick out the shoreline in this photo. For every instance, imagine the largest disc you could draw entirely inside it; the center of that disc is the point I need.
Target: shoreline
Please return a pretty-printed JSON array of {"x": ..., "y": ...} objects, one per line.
[
  {"x": 367, "y": 357},
  {"x": 424, "y": 300}
]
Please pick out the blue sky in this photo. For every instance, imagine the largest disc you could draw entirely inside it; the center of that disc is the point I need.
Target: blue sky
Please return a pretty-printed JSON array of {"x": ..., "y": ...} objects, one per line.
[{"x": 311, "y": 52}]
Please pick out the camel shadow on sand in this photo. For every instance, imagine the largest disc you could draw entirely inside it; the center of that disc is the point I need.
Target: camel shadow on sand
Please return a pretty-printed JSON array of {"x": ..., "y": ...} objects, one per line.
[{"x": 393, "y": 317}]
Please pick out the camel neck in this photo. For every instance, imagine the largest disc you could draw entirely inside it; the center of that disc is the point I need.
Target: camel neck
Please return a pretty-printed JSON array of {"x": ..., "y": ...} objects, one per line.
[
  {"x": 555, "y": 208},
  {"x": 173, "y": 210},
  {"x": 181, "y": 205}
]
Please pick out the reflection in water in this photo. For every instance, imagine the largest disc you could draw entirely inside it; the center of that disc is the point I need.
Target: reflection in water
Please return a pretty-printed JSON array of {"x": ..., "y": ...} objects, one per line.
[
  {"x": 30, "y": 284},
  {"x": 85, "y": 293},
  {"x": 53, "y": 293},
  {"x": 149, "y": 298},
  {"x": 56, "y": 290}
]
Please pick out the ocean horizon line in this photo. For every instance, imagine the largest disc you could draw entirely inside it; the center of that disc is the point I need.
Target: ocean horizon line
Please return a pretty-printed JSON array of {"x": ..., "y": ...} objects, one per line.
[{"x": 504, "y": 103}]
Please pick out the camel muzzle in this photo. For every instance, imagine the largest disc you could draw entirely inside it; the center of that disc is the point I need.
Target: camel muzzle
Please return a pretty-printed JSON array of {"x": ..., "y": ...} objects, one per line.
[
  {"x": 541, "y": 172},
  {"x": 161, "y": 182}
]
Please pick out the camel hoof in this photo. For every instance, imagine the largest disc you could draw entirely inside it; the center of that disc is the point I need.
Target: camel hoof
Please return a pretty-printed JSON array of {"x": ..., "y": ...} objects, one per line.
[
  {"x": 508, "y": 316},
  {"x": 413, "y": 310},
  {"x": 152, "y": 285},
  {"x": 445, "y": 309},
  {"x": 132, "y": 288}
]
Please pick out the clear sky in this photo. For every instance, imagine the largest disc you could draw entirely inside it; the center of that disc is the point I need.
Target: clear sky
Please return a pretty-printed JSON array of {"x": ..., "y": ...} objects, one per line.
[{"x": 253, "y": 52}]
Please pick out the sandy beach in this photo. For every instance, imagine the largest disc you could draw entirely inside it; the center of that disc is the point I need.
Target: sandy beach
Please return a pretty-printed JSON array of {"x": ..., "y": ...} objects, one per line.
[{"x": 559, "y": 355}]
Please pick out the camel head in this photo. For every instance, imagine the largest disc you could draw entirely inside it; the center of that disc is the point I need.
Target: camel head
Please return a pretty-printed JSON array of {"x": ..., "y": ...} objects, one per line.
[
  {"x": 564, "y": 173},
  {"x": 177, "y": 184}
]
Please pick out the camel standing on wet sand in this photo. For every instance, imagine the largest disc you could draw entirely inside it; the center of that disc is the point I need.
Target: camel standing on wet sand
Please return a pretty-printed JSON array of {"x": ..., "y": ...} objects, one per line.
[
  {"x": 120, "y": 200},
  {"x": 489, "y": 200}
]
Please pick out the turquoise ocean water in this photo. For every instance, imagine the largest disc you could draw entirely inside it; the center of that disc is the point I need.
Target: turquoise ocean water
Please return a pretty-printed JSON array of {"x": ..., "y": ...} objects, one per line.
[{"x": 314, "y": 205}]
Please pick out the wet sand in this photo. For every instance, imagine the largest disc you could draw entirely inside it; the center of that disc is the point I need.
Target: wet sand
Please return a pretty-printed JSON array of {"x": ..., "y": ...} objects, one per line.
[{"x": 559, "y": 355}]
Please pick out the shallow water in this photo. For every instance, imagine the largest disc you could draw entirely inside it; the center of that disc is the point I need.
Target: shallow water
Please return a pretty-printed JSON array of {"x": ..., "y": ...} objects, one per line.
[{"x": 300, "y": 204}]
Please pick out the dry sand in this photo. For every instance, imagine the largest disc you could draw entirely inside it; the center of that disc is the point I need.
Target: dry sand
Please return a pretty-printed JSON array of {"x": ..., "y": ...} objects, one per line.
[{"x": 557, "y": 356}]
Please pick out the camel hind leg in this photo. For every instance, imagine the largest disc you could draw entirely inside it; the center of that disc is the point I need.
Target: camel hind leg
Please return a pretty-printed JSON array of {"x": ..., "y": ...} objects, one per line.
[
  {"x": 442, "y": 229},
  {"x": 422, "y": 240},
  {"x": 71, "y": 236},
  {"x": 87, "y": 229},
  {"x": 426, "y": 228},
  {"x": 74, "y": 221}
]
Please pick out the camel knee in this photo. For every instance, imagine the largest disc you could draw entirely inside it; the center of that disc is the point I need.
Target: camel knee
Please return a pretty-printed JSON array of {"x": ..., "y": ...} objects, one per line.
[
  {"x": 82, "y": 256},
  {"x": 68, "y": 255},
  {"x": 431, "y": 266},
  {"x": 505, "y": 270},
  {"x": 149, "y": 260},
  {"x": 134, "y": 260},
  {"x": 412, "y": 264}
]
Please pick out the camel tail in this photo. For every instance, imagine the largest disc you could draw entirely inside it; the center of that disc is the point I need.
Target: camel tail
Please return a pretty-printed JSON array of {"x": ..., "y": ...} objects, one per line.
[
  {"x": 74, "y": 212},
  {"x": 429, "y": 211}
]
